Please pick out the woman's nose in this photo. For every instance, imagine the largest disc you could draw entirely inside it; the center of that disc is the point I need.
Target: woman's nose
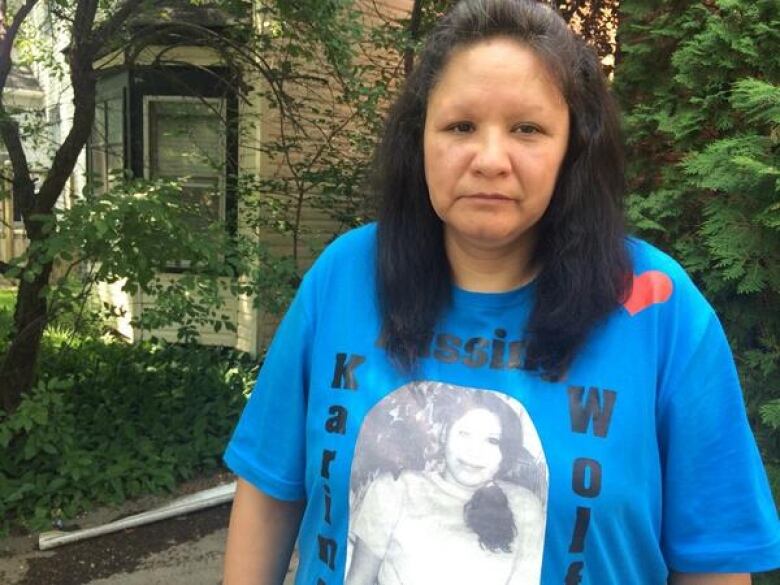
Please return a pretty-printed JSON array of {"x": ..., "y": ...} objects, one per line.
[
  {"x": 474, "y": 452},
  {"x": 492, "y": 157}
]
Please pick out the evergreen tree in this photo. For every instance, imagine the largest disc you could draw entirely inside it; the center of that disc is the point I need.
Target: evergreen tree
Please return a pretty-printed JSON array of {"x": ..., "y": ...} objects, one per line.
[{"x": 698, "y": 81}]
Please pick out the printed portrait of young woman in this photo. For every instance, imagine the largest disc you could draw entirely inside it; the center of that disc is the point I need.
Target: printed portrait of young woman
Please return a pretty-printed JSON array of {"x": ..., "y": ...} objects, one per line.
[{"x": 448, "y": 485}]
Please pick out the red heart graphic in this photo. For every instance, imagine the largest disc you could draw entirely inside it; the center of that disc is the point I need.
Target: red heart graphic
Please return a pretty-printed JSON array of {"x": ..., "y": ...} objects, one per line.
[{"x": 649, "y": 288}]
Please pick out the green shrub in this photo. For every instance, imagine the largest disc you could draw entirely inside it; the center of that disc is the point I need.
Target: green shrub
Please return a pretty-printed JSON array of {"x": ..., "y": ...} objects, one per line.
[
  {"x": 698, "y": 82},
  {"x": 7, "y": 297},
  {"x": 108, "y": 421},
  {"x": 5, "y": 326}
]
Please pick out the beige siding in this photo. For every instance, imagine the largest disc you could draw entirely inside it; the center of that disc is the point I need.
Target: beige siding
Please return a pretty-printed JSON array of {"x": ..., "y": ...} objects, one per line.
[
  {"x": 314, "y": 220},
  {"x": 208, "y": 336}
]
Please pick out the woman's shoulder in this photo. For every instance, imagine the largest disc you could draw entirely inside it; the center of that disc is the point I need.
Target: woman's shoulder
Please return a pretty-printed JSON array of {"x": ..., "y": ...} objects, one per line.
[
  {"x": 346, "y": 265},
  {"x": 646, "y": 256},
  {"x": 357, "y": 244},
  {"x": 660, "y": 276}
]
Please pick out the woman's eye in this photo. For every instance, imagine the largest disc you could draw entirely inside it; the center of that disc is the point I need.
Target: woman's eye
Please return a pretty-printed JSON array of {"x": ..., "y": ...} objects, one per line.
[
  {"x": 526, "y": 129},
  {"x": 494, "y": 441},
  {"x": 462, "y": 127}
]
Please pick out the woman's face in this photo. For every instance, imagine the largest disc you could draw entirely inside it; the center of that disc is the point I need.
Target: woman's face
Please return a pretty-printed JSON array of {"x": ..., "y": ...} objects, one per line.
[
  {"x": 496, "y": 132},
  {"x": 472, "y": 451}
]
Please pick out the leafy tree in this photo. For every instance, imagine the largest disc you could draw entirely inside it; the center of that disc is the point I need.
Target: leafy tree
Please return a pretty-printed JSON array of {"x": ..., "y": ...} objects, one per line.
[
  {"x": 699, "y": 85},
  {"x": 92, "y": 27}
]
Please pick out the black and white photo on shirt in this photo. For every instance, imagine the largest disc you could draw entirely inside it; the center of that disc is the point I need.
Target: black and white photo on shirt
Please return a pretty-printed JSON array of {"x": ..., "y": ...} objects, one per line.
[{"x": 449, "y": 485}]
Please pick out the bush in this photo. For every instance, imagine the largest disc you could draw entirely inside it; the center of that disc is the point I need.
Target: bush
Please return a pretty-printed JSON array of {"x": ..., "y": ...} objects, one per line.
[
  {"x": 108, "y": 421},
  {"x": 6, "y": 319},
  {"x": 7, "y": 297},
  {"x": 698, "y": 82}
]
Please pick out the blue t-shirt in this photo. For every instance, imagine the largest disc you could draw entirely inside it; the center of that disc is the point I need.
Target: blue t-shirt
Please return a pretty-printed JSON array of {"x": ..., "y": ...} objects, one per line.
[{"x": 640, "y": 461}]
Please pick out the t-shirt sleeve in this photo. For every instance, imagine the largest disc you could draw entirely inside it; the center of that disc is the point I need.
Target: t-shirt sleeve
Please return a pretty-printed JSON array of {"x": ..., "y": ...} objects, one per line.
[
  {"x": 377, "y": 515},
  {"x": 268, "y": 446},
  {"x": 718, "y": 510}
]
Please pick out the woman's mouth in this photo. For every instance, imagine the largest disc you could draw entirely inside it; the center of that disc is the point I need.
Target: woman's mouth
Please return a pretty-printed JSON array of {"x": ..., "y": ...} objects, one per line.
[
  {"x": 471, "y": 467},
  {"x": 490, "y": 197}
]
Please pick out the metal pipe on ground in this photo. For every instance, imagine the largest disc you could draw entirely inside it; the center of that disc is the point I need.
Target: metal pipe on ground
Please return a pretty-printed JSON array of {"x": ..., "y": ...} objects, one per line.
[{"x": 192, "y": 503}]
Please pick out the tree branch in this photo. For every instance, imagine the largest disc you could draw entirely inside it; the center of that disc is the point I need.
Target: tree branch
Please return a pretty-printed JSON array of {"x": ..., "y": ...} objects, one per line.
[
  {"x": 23, "y": 185},
  {"x": 8, "y": 36},
  {"x": 106, "y": 30},
  {"x": 81, "y": 54},
  {"x": 87, "y": 40}
]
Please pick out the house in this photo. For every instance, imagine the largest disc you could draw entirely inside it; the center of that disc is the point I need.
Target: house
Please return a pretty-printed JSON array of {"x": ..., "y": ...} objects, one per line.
[{"x": 173, "y": 104}]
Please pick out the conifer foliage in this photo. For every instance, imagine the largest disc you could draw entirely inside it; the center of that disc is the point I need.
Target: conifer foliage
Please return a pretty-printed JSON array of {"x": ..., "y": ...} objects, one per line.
[{"x": 699, "y": 84}]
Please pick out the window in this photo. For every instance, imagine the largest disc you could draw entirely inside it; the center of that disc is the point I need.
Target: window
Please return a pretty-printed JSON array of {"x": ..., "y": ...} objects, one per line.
[
  {"x": 176, "y": 122},
  {"x": 185, "y": 141},
  {"x": 106, "y": 144}
]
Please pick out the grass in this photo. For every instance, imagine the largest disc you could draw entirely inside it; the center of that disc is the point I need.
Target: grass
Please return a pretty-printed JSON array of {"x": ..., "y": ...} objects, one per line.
[{"x": 7, "y": 297}]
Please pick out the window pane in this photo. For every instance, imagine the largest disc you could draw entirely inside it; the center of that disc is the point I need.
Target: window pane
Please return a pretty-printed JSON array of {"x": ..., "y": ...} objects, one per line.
[
  {"x": 96, "y": 150},
  {"x": 115, "y": 117},
  {"x": 186, "y": 139},
  {"x": 55, "y": 124},
  {"x": 97, "y": 168},
  {"x": 206, "y": 199},
  {"x": 106, "y": 143},
  {"x": 115, "y": 147},
  {"x": 187, "y": 143},
  {"x": 99, "y": 126}
]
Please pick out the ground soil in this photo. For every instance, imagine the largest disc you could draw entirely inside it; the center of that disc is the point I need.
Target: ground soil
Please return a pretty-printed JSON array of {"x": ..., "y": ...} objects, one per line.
[
  {"x": 113, "y": 554},
  {"x": 85, "y": 561}
]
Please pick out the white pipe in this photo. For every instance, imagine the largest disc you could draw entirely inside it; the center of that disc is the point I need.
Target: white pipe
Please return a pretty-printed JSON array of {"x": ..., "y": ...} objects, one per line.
[{"x": 198, "y": 501}]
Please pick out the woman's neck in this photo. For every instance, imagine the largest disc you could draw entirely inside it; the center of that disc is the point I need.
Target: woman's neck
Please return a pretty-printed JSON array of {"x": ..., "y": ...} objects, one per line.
[{"x": 486, "y": 269}]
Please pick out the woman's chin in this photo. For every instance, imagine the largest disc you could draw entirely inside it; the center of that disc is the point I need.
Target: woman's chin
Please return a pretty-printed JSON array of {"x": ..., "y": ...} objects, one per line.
[{"x": 488, "y": 237}]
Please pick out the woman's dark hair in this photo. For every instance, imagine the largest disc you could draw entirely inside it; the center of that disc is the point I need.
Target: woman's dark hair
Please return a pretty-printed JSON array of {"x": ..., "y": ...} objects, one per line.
[
  {"x": 585, "y": 268},
  {"x": 487, "y": 513}
]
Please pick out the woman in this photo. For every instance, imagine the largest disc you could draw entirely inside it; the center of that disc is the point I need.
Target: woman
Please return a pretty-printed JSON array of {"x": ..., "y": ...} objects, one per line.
[
  {"x": 464, "y": 519},
  {"x": 499, "y": 263}
]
